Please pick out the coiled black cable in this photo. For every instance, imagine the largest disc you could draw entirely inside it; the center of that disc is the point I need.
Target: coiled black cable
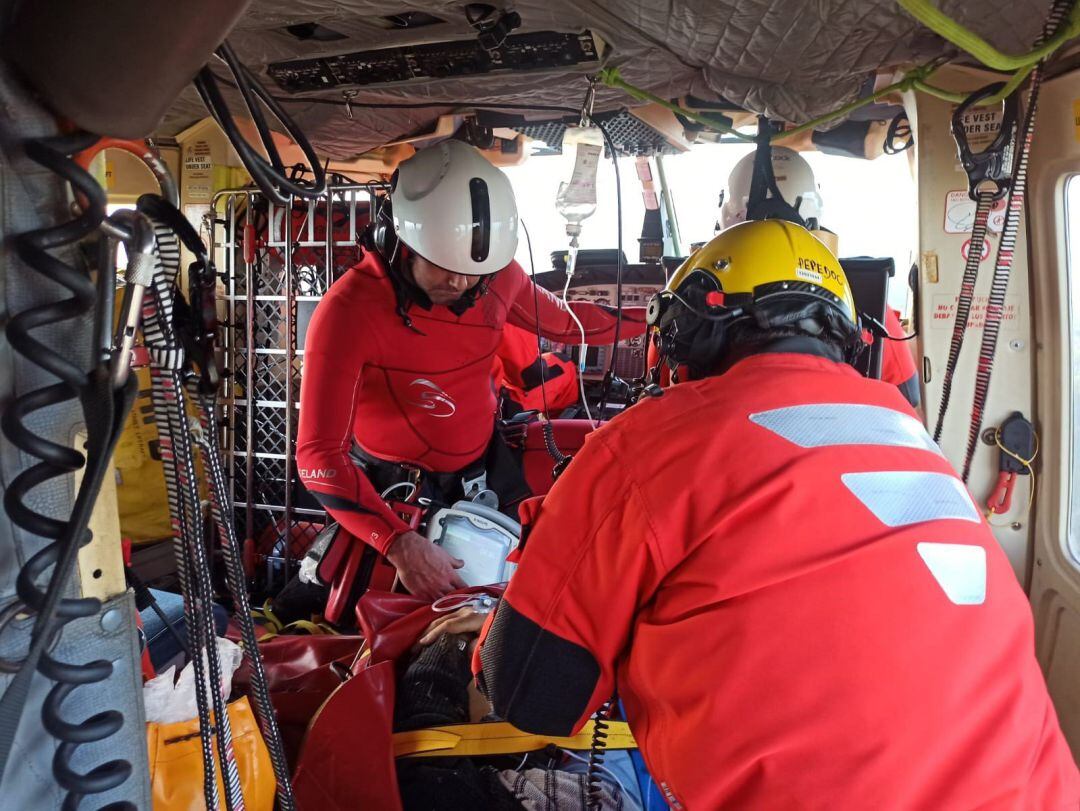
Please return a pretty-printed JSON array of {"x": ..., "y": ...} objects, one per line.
[
  {"x": 593, "y": 790},
  {"x": 56, "y": 460}
]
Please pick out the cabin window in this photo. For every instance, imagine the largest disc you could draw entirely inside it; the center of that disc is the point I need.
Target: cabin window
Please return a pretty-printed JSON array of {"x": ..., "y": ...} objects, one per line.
[
  {"x": 1072, "y": 239},
  {"x": 870, "y": 204}
]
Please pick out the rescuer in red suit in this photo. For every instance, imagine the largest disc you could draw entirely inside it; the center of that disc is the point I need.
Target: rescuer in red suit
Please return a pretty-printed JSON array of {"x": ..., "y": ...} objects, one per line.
[
  {"x": 790, "y": 588},
  {"x": 398, "y": 358}
]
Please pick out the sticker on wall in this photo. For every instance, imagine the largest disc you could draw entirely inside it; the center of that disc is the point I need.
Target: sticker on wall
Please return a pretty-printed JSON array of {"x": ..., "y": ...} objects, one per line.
[
  {"x": 985, "y": 250},
  {"x": 944, "y": 313},
  {"x": 981, "y": 125},
  {"x": 960, "y": 213},
  {"x": 197, "y": 182}
]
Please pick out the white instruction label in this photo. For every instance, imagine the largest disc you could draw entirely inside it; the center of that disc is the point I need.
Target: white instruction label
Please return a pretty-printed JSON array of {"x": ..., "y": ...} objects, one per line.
[{"x": 581, "y": 190}]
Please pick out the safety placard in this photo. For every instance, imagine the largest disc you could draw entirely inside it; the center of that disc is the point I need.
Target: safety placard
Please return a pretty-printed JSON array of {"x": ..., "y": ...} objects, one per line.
[
  {"x": 960, "y": 213},
  {"x": 981, "y": 125},
  {"x": 197, "y": 177},
  {"x": 945, "y": 313}
]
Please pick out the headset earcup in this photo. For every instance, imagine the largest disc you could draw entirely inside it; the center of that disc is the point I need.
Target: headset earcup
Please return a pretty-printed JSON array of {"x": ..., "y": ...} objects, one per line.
[{"x": 379, "y": 238}]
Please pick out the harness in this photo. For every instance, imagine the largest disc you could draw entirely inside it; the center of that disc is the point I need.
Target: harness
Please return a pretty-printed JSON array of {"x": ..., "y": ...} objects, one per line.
[
  {"x": 998, "y": 170},
  {"x": 389, "y": 476}
]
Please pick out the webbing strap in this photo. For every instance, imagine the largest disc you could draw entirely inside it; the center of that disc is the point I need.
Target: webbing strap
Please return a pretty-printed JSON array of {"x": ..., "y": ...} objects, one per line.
[
  {"x": 178, "y": 461},
  {"x": 222, "y": 513},
  {"x": 1002, "y": 265},
  {"x": 499, "y": 738},
  {"x": 985, "y": 199},
  {"x": 999, "y": 285}
]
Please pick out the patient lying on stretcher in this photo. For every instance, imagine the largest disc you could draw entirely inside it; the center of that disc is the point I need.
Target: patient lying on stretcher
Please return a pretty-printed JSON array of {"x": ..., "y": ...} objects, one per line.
[{"x": 437, "y": 688}]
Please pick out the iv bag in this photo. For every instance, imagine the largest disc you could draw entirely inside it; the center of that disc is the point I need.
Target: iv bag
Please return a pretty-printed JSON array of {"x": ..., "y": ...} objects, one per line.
[{"x": 576, "y": 199}]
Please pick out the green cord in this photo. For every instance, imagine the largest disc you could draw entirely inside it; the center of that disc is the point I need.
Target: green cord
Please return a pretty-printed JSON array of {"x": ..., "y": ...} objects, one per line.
[
  {"x": 925, "y": 12},
  {"x": 915, "y": 79},
  {"x": 971, "y": 43}
]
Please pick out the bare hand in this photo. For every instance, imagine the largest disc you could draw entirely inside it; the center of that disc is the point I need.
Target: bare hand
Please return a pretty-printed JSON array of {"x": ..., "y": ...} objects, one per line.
[
  {"x": 425, "y": 569},
  {"x": 463, "y": 621}
]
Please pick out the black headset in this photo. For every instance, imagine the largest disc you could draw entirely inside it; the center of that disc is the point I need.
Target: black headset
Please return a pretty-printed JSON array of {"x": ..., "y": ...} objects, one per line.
[{"x": 380, "y": 235}]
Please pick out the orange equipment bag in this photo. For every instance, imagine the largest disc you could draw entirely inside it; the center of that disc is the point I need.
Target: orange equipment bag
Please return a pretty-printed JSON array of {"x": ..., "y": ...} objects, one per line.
[{"x": 176, "y": 766}]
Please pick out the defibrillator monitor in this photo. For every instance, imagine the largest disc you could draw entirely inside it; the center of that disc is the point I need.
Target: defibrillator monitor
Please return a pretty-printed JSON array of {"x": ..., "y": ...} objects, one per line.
[{"x": 480, "y": 536}]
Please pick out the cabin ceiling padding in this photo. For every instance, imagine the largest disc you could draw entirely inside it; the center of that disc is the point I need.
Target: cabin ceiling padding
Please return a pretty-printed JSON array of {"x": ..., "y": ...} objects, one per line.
[{"x": 790, "y": 59}]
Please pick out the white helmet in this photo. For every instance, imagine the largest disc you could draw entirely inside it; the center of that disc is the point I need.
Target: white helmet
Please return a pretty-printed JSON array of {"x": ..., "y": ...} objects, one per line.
[
  {"x": 794, "y": 179},
  {"x": 455, "y": 209}
]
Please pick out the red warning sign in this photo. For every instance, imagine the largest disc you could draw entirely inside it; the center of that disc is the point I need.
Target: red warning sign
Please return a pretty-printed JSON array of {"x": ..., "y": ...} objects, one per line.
[
  {"x": 944, "y": 313},
  {"x": 985, "y": 250}
]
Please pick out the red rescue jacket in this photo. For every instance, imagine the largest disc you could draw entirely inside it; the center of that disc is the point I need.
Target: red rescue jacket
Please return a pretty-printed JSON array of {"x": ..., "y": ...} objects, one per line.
[
  {"x": 897, "y": 363},
  {"x": 420, "y": 396},
  {"x": 547, "y": 382},
  {"x": 797, "y": 599}
]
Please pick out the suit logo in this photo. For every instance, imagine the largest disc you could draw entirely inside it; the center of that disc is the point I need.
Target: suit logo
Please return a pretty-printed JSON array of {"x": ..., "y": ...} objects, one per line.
[{"x": 432, "y": 399}]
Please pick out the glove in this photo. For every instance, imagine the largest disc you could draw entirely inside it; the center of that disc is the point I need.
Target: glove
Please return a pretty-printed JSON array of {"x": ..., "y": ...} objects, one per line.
[{"x": 513, "y": 430}]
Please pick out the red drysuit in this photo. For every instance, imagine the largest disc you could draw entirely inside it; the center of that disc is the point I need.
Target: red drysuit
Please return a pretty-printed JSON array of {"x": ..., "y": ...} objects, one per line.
[
  {"x": 420, "y": 395},
  {"x": 798, "y": 601}
]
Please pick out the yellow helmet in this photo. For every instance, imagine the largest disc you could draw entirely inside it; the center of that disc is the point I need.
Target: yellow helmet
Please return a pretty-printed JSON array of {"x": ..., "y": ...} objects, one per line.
[{"x": 771, "y": 271}]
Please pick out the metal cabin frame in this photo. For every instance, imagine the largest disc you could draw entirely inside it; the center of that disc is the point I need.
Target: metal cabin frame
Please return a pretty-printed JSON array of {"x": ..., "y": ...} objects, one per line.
[{"x": 273, "y": 277}]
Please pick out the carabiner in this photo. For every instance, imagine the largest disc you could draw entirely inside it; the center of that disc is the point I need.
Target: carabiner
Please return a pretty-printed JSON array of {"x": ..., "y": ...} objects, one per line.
[
  {"x": 995, "y": 163},
  {"x": 139, "y": 275}
]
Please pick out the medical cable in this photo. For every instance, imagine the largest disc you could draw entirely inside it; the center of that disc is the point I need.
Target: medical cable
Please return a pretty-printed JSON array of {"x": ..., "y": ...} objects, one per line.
[
  {"x": 545, "y": 425},
  {"x": 583, "y": 349},
  {"x": 610, "y": 373},
  {"x": 600, "y": 768},
  {"x": 596, "y": 754}
]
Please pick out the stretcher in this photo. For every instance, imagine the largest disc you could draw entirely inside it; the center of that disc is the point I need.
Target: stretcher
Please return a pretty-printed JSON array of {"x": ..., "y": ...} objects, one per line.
[{"x": 347, "y": 759}]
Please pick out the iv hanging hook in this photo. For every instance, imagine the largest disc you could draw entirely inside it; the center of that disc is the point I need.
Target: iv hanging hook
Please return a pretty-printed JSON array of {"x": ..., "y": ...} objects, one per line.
[{"x": 587, "y": 104}]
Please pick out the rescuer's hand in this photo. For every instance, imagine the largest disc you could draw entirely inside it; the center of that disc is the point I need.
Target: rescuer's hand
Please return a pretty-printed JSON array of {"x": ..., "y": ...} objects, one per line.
[
  {"x": 426, "y": 570},
  {"x": 463, "y": 621}
]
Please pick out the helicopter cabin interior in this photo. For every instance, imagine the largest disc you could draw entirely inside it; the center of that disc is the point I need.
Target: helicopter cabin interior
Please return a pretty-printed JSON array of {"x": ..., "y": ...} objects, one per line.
[{"x": 945, "y": 138}]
